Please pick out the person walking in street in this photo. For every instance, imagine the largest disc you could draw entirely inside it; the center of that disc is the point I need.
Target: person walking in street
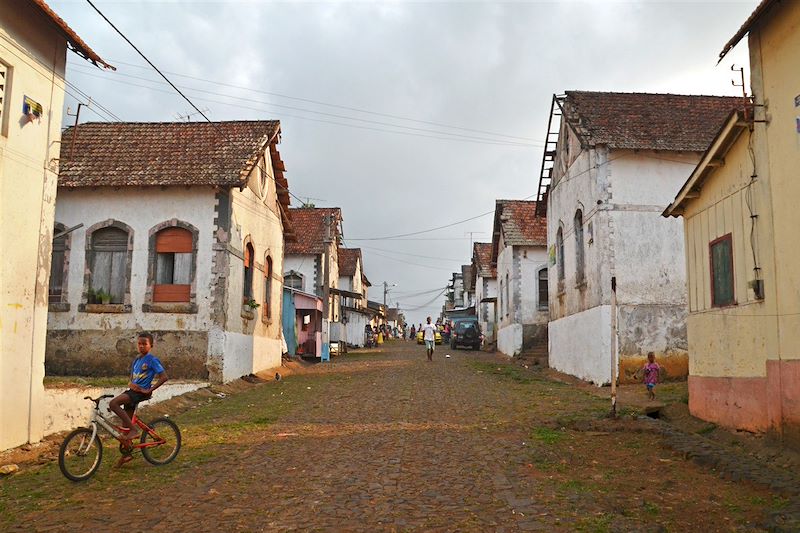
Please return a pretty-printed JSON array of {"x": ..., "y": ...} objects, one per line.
[
  {"x": 429, "y": 336},
  {"x": 413, "y": 332}
]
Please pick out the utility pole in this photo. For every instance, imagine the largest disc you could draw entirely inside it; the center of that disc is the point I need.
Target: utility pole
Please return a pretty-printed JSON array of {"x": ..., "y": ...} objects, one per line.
[
  {"x": 326, "y": 290},
  {"x": 613, "y": 347}
]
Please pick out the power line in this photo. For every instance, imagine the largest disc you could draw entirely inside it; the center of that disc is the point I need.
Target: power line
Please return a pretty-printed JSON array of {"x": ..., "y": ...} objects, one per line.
[
  {"x": 411, "y": 255},
  {"x": 337, "y": 106},
  {"x": 453, "y": 136},
  {"x": 412, "y": 264}
]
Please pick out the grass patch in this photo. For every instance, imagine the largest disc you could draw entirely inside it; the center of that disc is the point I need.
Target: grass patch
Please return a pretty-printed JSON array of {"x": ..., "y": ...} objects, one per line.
[
  {"x": 595, "y": 524},
  {"x": 513, "y": 372},
  {"x": 651, "y": 508},
  {"x": 547, "y": 435},
  {"x": 576, "y": 485}
]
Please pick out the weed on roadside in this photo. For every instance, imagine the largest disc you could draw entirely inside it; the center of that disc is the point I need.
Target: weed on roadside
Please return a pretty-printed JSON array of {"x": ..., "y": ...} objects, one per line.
[{"x": 547, "y": 435}]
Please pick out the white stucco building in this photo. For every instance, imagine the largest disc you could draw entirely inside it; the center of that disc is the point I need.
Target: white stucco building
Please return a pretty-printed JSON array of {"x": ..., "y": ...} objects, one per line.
[
  {"x": 33, "y": 56},
  {"x": 519, "y": 253},
  {"x": 618, "y": 159},
  {"x": 485, "y": 289},
  {"x": 177, "y": 229},
  {"x": 353, "y": 290}
]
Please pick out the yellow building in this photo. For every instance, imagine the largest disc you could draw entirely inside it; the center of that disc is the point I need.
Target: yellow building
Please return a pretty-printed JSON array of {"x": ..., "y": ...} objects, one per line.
[
  {"x": 33, "y": 55},
  {"x": 743, "y": 264}
]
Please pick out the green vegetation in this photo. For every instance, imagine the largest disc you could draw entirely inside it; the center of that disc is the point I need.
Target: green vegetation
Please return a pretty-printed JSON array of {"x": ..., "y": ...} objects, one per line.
[{"x": 547, "y": 435}]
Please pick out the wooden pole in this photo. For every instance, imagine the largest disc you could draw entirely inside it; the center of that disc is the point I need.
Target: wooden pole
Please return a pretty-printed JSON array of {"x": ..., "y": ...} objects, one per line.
[
  {"x": 613, "y": 346},
  {"x": 326, "y": 291}
]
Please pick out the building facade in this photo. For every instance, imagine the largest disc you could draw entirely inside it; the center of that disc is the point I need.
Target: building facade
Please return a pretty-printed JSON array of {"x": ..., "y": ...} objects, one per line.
[
  {"x": 739, "y": 216},
  {"x": 618, "y": 160},
  {"x": 485, "y": 289},
  {"x": 33, "y": 56},
  {"x": 519, "y": 255},
  {"x": 189, "y": 248}
]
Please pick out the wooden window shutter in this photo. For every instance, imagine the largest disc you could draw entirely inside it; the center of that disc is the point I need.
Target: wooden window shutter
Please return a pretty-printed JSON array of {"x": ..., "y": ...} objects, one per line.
[{"x": 174, "y": 240}]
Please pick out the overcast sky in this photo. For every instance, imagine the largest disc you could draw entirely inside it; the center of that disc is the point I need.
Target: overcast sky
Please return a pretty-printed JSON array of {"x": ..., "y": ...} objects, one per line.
[{"x": 408, "y": 116}]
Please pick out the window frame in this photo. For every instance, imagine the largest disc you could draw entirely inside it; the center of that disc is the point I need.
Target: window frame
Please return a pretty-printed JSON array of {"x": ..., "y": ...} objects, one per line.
[
  {"x": 152, "y": 303},
  {"x": 293, "y": 274},
  {"x": 560, "y": 254},
  {"x": 249, "y": 266},
  {"x": 580, "y": 258},
  {"x": 727, "y": 238},
  {"x": 543, "y": 303},
  {"x": 268, "y": 268},
  {"x": 61, "y": 302},
  {"x": 125, "y": 306}
]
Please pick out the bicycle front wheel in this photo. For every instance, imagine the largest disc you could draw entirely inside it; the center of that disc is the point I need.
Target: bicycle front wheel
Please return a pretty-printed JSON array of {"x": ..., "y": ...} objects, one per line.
[
  {"x": 162, "y": 443},
  {"x": 80, "y": 455}
]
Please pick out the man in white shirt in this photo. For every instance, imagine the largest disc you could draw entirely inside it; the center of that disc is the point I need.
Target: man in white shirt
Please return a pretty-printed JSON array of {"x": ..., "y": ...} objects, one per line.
[{"x": 429, "y": 335}]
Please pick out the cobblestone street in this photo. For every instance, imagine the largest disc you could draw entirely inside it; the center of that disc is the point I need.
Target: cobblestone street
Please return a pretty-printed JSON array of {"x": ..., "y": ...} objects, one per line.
[{"x": 389, "y": 442}]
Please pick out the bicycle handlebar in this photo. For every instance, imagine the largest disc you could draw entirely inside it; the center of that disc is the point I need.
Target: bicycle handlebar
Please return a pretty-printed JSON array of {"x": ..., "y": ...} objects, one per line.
[{"x": 97, "y": 400}]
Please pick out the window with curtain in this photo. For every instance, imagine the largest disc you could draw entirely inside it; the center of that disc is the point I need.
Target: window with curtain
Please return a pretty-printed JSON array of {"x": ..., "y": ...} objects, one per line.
[
  {"x": 268, "y": 288},
  {"x": 543, "y": 295},
  {"x": 249, "y": 265},
  {"x": 560, "y": 253},
  {"x": 174, "y": 258},
  {"x": 109, "y": 263},
  {"x": 57, "y": 262}
]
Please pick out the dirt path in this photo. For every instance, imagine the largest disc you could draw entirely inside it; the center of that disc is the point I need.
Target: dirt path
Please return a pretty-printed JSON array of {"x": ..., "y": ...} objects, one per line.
[{"x": 390, "y": 442}]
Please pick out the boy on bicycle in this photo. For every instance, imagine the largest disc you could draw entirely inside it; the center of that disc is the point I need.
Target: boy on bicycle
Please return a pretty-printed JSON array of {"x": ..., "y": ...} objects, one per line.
[{"x": 144, "y": 368}]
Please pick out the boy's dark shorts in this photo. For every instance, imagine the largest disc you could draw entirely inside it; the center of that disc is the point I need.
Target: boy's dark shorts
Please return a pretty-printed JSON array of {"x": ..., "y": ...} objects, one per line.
[{"x": 136, "y": 397}]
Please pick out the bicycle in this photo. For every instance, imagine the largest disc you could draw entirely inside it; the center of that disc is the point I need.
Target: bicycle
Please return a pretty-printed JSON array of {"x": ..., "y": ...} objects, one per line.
[{"x": 82, "y": 450}]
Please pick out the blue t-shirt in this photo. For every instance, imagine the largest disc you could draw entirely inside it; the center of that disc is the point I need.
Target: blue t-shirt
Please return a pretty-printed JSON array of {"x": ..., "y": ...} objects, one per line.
[{"x": 144, "y": 369}]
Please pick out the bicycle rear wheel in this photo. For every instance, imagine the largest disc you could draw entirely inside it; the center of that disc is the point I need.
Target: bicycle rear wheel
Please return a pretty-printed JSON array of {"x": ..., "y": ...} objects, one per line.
[
  {"x": 167, "y": 431},
  {"x": 79, "y": 456}
]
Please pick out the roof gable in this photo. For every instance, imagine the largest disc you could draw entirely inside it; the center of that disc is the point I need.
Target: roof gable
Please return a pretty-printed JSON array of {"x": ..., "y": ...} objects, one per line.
[
  {"x": 163, "y": 153},
  {"x": 482, "y": 260},
  {"x": 519, "y": 225},
  {"x": 348, "y": 261},
  {"x": 645, "y": 121},
  {"x": 309, "y": 223}
]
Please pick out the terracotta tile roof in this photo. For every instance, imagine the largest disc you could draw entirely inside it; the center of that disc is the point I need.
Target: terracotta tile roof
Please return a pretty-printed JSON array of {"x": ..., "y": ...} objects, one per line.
[
  {"x": 519, "y": 224},
  {"x": 348, "y": 260},
  {"x": 164, "y": 153},
  {"x": 759, "y": 11},
  {"x": 642, "y": 121},
  {"x": 75, "y": 42},
  {"x": 482, "y": 260},
  {"x": 309, "y": 223}
]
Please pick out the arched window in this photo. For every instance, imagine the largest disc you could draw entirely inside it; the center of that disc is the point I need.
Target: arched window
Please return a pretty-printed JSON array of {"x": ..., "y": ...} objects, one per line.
[
  {"x": 249, "y": 265},
  {"x": 109, "y": 265},
  {"x": 59, "y": 260},
  {"x": 268, "y": 288},
  {"x": 579, "y": 274},
  {"x": 293, "y": 280},
  {"x": 543, "y": 295},
  {"x": 174, "y": 265},
  {"x": 560, "y": 253}
]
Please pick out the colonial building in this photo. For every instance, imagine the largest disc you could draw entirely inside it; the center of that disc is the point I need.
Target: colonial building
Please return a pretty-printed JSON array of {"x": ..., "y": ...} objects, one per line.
[
  {"x": 485, "y": 288},
  {"x": 740, "y": 218},
  {"x": 174, "y": 228},
  {"x": 353, "y": 289},
  {"x": 617, "y": 161},
  {"x": 33, "y": 55},
  {"x": 519, "y": 255}
]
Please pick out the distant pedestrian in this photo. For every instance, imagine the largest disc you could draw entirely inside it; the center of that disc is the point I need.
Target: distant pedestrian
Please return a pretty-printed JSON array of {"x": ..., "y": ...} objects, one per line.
[
  {"x": 429, "y": 336},
  {"x": 413, "y": 332},
  {"x": 652, "y": 371}
]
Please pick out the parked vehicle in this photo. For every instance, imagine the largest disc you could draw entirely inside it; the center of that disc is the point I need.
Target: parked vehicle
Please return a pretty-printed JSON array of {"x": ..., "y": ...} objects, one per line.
[
  {"x": 466, "y": 332},
  {"x": 421, "y": 340}
]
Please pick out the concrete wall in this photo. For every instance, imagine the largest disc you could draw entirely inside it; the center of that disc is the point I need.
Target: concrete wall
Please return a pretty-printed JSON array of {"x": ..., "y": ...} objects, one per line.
[
  {"x": 34, "y": 53},
  {"x": 580, "y": 344}
]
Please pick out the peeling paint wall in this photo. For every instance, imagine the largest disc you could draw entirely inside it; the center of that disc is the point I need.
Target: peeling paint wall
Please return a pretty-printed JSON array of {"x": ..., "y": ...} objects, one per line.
[
  {"x": 34, "y": 56},
  {"x": 621, "y": 195}
]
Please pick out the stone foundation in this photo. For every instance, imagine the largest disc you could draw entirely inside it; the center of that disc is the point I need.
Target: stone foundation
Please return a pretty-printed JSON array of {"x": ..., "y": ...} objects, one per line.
[{"x": 110, "y": 352}]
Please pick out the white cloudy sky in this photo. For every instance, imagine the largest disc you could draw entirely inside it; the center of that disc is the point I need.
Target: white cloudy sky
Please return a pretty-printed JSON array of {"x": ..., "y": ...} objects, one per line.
[{"x": 406, "y": 115}]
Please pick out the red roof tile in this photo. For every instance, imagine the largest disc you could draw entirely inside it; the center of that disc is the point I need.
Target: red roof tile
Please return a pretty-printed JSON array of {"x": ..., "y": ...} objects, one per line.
[
  {"x": 348, "y": 259},
  {"x": 309, "y": 224},
  {"x": 519, "y": 224},
  {"x": 642, "y": 121},
  {"x": 164, "y": 153},
  {"x": 482, "y": 259},
  {"x": 75, "y": 42}
]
